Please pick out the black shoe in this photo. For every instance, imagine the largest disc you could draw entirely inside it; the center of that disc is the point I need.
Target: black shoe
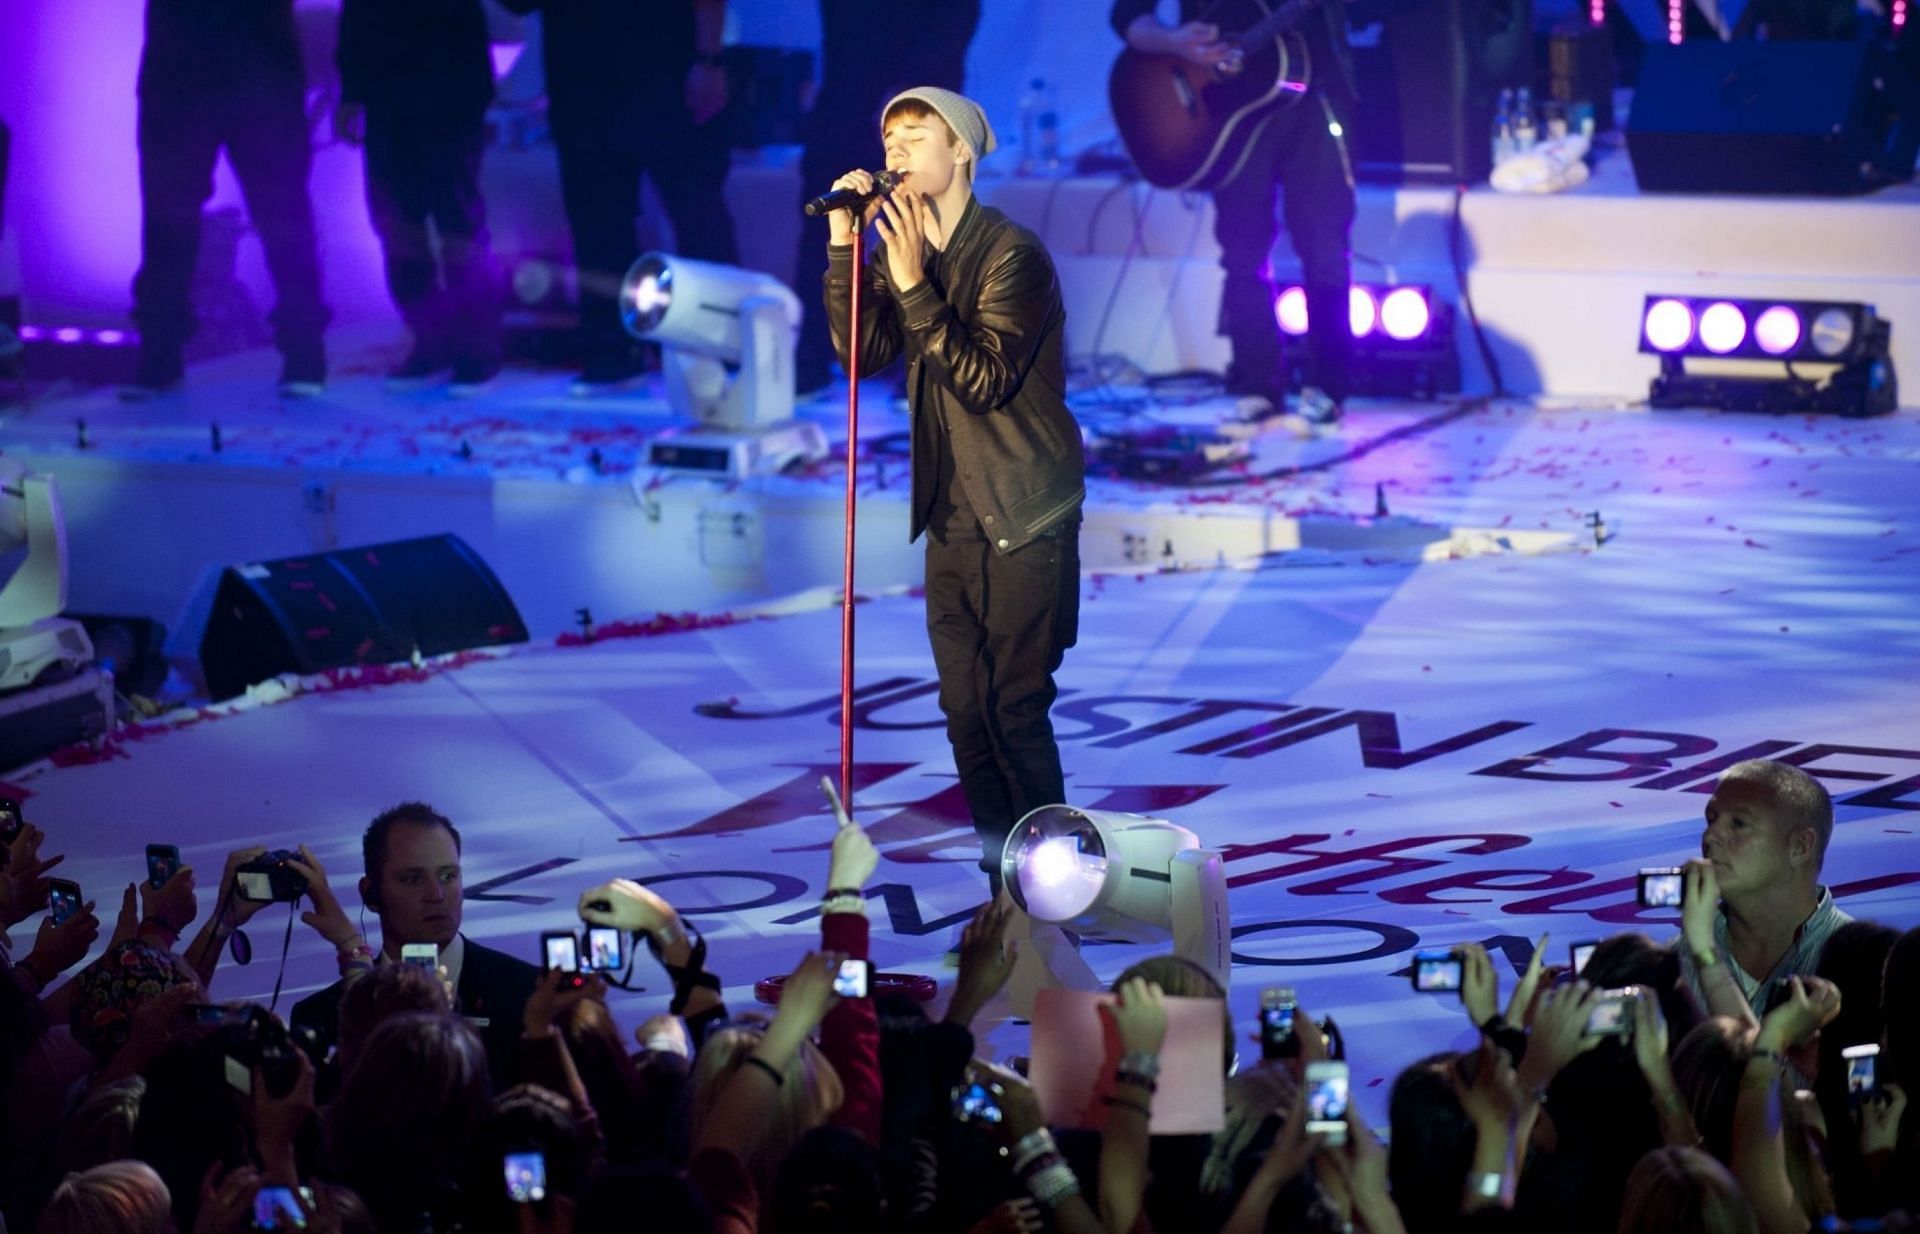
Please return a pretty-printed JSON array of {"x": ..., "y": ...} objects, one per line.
[
  {"x": 304, "y": 374},
  {"x": 472, "y": 378},
  {"x": 420, "y": 369},
  {"x": 162, "y": 371},
  {"x": 609, "y": 375}
]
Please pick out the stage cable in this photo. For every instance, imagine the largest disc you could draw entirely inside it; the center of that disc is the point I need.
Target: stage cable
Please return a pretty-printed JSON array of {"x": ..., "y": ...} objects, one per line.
[{"x": 1466, "y": 295}]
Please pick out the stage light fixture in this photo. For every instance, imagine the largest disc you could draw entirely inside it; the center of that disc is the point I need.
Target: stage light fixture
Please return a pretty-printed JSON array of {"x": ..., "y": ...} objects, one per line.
[
  {"x": 1849, "y": 343},
  {"x": 1122, "y": 877},
  {"x": 1402, "y": 339},
  {"x": 34, "y": 637},
  {"x": 726, "y": 337}
]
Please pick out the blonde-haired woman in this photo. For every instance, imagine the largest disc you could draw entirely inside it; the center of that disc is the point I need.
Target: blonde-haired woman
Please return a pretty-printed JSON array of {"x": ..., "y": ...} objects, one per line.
[
  {"x": 120, "y": 1197},
  {"x": 810, "y": 1093}
]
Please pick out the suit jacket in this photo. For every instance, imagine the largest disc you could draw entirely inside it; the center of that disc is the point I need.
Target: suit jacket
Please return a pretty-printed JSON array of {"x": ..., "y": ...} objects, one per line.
[{"x": 493, "y": 988}]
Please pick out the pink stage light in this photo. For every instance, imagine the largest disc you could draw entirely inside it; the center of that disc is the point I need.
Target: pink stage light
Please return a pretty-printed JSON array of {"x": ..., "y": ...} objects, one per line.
[
  {"x": 1291, "y": 309},
  {"x": 1777, "y": 330},
  {"x": 1676, "y": 21},
  {"x": 1404, "y": 314},
  {"x": 1362, "y": 312},
  {"x": 69, "y": 334},
  {"x": 1669, "y": 325},
  {"x": 110, "y": 338},
  {"x": 1898, "y": 20},
  {"x": 1723, "y": 327},
  {"x": 1596, "y": 12},
  {"x": 29, "y": 334}
]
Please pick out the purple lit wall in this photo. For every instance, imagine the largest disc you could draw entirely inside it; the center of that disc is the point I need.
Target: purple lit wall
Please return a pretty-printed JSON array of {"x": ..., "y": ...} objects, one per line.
[{"x": 67, "y": 71}]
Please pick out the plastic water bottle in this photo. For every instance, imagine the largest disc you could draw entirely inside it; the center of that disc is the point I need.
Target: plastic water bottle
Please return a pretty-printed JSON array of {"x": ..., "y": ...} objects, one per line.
[
  {"x": 1526, "y": 128},
  {"x": 1503, "y": 146}
]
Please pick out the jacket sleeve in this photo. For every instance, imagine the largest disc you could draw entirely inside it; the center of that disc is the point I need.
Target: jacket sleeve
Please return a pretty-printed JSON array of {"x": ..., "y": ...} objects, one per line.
[
  {"x": 850, "y": 1035},
  {"x": 985, "y": 360},
  {"x": 880, "y": 337}
]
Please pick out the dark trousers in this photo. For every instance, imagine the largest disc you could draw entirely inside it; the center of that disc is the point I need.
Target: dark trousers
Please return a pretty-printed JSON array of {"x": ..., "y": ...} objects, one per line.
[
  {"x": 1000, "y": 626},
  {"x": 260, "y": 120},
  {"x": 875, "y": 49},
  {"x": 600, "y": 188},
  {"x": 423, "y": 182},
  {"x": 1297, "y": 152}
]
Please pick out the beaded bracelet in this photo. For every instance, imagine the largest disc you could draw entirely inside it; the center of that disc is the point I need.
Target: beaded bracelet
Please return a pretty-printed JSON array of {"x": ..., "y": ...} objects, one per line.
[
  {"x": 1137, "y": 1079},
  {"x": 1054, "y": 1185},
  {"x": 1141, "y": 1062}
]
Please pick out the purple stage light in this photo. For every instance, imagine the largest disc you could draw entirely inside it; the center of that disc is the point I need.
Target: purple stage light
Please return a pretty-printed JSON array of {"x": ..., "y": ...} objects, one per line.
[
  {"x": 69, "y": 334},
  {"x": 110, "y": 338},
  {"x": 1404, "y": 314},
  {"x": 1778, "y": 330},
  {"x": 1723, "y": 327},
  {"x": 1669, "y": 325},
  {"x": 1291, "y": 309},
  {"x": 30, "y": 334},
  {"x": 1362, "y": 312}
]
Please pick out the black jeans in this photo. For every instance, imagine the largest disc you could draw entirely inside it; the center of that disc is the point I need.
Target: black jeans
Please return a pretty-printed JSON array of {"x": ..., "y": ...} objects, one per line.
[
  {"x": 1000, "y": 625},
  {"x": 419, "y": 175},
  {"x": 600, "y": 188},
  {"x": 259, "y": 118},
  {"x": 1298, "y": 152}
]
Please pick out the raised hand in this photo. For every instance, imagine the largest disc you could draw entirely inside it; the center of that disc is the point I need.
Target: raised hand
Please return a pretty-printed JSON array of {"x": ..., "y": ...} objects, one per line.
[
  {"x": 1521, "y": 1004},
  {"x": 986, "y": 959},
  {"x": 1559, "y": 1033},
  {"x": 1139, "y": 1018},
  {"x": 57, "y": 948},
  {"x": 235, "y": 909},
  {"x": 553, "y": 996},
  {"x": 1880, "y": 1120},
  {"x": 1812, "y": 1002},
  {"x": 629, "y": 906},
  {"x": 326, "y": 916},
  {"x": 1479, "y": 986},
  {"x": 854, "y": 858},
  {"x": 903, "y": 228},
  {"x": 172, "y": 905},
  {"x": 1699, "y": 906}
]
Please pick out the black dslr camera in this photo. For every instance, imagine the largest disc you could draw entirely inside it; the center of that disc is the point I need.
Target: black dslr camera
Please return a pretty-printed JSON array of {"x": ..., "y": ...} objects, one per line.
[
  {"x": 260, "y": 1040},
  {"x": 269, "y": 879}
]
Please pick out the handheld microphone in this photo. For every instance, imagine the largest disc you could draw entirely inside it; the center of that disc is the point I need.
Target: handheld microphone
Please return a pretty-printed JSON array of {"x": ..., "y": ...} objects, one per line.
[{"x": 854, "y": 199}]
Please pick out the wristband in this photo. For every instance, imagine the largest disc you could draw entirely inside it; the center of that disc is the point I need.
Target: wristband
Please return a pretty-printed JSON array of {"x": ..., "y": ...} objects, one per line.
[
  {"x": 1031, "y": 1147},
  {"x": 1141, "y": 1062},
  {"x": 844, "y": 902},
  {"x": 1136, "y": 1079},
  {"x": 1704, "y": 960},
  {"x": 769, "y": 1068},
  {"x": 1128, "y": 1103}
]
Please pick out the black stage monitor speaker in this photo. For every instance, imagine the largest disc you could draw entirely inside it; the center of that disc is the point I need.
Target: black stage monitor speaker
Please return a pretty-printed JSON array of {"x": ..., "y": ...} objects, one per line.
[
  {"x": 370, "y": 605},
  {"x": 1430, "y": 73},
  {"x": 1827, "y": 118}
]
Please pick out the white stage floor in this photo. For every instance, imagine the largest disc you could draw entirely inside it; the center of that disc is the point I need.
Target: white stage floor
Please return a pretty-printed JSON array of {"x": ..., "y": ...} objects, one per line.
[{"x": 1759, "y": 590}]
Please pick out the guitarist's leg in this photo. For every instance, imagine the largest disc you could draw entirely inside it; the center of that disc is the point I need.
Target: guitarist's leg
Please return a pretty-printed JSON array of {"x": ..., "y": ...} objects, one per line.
[
  {"x": 1246, "y": 228},
  {"x": 1319, "y": 208}
]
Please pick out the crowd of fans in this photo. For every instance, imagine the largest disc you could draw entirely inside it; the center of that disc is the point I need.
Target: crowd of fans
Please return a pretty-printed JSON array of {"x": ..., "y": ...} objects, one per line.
[{"x": 480, "y": 1093}]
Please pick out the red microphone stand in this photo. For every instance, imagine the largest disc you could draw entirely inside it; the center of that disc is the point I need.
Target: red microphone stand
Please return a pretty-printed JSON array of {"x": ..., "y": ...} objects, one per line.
[{"x": 853, "y": 455}]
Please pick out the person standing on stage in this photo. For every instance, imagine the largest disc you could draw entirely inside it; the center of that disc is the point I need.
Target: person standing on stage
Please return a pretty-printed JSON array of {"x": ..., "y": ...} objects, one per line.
[
  {"x": 415, "y": 82},
  {"x": 632, "y": 89},
  {"x": 1302, "y": 148},
  {"x": 870, "y": 50},
  {"x": 970, "y": 300},
  {"x": 224, "y": 74}
]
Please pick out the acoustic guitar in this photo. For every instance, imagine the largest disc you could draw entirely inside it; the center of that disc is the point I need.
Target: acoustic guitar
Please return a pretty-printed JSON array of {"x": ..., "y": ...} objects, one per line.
[{"x": 1187, "y": 125}]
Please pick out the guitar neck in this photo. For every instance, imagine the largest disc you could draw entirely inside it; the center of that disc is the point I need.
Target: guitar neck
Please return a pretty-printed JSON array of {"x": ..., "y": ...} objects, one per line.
[{"x": 1276, "y": 23}]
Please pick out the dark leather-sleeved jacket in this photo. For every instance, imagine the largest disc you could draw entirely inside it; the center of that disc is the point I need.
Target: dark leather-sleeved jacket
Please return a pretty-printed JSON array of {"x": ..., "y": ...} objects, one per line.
[{"x": 988, "y": 357}]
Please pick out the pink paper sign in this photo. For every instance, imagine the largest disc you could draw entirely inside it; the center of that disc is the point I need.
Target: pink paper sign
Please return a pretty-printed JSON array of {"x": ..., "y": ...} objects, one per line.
[{"x": 1075, "y": 1052}]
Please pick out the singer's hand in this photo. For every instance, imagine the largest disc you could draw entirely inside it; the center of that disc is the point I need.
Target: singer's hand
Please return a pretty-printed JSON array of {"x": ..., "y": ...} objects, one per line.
[
  {"x": 840, "y": 222},
  {"x": 903, "y": 226}
]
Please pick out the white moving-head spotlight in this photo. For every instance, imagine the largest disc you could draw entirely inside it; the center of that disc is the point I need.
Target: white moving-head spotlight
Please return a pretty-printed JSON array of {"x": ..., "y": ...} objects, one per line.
[
  {"x": 727, "y": 337},
  {"x": 33, "y": 636},
  {"x": 1103, "y": 874}
]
